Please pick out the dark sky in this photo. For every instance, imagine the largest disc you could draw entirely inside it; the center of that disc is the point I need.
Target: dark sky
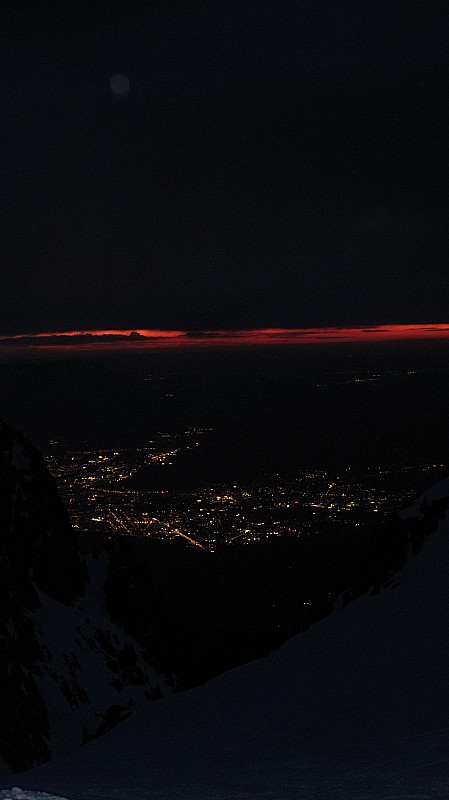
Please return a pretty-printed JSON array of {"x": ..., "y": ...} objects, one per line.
[{"x": 272, "y": 164}]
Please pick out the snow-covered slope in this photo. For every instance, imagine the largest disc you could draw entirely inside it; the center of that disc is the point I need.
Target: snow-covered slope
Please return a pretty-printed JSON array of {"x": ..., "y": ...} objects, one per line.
[{"x": 357, "y": 707}]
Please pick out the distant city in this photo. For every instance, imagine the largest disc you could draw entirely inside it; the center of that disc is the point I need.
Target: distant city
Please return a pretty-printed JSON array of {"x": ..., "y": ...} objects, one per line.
[{"x": 94, "y": 486}]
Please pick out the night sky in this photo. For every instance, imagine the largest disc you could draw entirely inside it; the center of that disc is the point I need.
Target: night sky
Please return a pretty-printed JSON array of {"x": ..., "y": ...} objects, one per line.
[{"x": 223, "y": 165}]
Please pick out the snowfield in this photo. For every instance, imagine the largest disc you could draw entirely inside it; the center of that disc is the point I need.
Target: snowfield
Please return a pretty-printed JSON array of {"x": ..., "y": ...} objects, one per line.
[{"x": 357, "y": 708}]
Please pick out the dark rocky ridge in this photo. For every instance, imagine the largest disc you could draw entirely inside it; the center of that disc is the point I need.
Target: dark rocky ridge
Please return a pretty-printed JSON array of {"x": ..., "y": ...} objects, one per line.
[
  {"x": 67, "y": 672},
  {"x": 37, "y": 538},
  {"x": 37, "y": 550}
]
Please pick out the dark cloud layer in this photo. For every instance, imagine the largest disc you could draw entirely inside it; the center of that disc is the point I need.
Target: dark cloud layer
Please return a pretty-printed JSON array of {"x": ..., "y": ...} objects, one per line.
[
  {"x": 69, "y": 339},
  {"x": 272, "y": 164}
]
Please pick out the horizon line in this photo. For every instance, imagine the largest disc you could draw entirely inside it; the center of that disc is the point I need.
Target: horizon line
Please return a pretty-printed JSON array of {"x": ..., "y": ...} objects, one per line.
[{"x": 145, "y": 338}]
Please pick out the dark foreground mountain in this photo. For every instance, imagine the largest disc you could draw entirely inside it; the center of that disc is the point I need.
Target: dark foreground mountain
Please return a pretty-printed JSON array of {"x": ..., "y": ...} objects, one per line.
[
  {"x": 67, "y": 672},
  {"x": 357, "y": 707}
]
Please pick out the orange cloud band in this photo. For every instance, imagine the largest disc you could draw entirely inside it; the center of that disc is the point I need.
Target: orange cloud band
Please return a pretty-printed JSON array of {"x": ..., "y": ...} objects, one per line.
[{"x": 148, "y": 338}]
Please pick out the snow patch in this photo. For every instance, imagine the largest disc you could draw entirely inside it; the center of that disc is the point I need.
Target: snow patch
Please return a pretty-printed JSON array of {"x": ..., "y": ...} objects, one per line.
[
  {"x": 82, "y": 668},
  {"x": 18, "y": 794}
]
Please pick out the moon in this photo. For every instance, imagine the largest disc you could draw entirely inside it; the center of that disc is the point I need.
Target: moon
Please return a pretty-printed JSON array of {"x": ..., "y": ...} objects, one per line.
[{"x": 119, "y": 84}]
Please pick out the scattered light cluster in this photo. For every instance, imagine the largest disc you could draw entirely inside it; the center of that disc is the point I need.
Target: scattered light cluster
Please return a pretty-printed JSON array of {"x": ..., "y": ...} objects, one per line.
[{"x": 94, "y": 486}]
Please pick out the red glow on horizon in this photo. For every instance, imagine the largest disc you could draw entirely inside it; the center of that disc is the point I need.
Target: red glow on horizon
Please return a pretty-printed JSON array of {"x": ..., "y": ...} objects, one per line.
[
  {"x": 139, "y": 338},
  {"x": 111, "y": 332}
]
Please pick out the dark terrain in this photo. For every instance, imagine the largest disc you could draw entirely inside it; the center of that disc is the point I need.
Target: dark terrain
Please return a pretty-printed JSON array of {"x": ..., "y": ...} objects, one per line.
[
  {"x": 274, "y": 417},
  {"x": 190, "y": 614}
]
